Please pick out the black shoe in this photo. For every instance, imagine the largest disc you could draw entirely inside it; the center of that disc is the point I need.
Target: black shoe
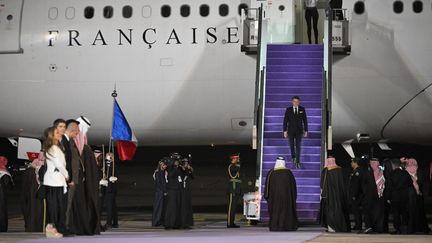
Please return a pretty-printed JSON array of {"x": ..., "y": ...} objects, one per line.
[
  {"x": 115, "y": 226},
  {"x": 397, "y": 232},
  {"x": 356, "y": 228},
  {"x": 233, "y": 226}
]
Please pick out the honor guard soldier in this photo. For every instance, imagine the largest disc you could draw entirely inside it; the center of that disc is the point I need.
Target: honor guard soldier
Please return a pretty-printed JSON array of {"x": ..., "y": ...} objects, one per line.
[
  {"x": 355, "y": 193},
  {"x": 234, "y": 189},
  {"x": 109, "y": 190}
]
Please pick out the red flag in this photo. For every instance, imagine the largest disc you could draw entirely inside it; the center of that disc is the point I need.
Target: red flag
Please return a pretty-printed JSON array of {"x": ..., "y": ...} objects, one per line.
[{"x": 126, "y": 149}]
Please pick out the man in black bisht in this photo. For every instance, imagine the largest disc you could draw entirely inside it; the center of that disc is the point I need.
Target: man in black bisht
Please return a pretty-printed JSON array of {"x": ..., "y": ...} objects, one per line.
[
  {"x": 234, "y": 189},
  {"x": 186, "y": 214},
  {"x": 334, "y": 211},
  {"x": 172, "y": 213},
  {"x": 373, "y": 185},
  {"x": 355, "y": 193},
  {"x": 281, "y": 195},
  {"x": 159, "y": 203},
  {"x": 295, "y": 127}
]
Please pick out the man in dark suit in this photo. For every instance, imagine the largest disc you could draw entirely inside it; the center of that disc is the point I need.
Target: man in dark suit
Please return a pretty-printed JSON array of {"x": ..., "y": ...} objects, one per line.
[{"x": 295, "y": 126}]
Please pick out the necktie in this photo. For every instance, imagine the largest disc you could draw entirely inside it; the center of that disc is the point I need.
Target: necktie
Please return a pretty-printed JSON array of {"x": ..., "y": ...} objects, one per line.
[{"x": 295, "y": 111}]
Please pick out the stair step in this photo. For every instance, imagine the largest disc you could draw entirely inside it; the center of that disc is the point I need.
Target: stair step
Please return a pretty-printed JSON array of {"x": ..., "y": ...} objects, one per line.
[
  {"x": 294, "y": 61},
  {"x": 317, "y": 75},
  {"x": 293, "y": 90},
  {"x": 288, "y": 84},
  {"x": 295, "y": 47},
  {"x": 294, "y": 68},
  {"x": 297, "y": 54},
  {"x": 284, "y": 97}
]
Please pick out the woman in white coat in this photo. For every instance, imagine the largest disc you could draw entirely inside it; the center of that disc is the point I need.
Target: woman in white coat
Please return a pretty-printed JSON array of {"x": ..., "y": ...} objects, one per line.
[{"x": 55, "y": 184}]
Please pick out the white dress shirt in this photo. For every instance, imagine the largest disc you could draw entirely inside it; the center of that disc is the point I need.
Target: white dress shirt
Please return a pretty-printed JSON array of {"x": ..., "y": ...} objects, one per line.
[{"x": 310, "y": 3}]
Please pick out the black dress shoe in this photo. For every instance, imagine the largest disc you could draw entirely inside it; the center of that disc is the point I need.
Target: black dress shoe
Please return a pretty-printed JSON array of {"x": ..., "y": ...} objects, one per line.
[
  {"x": 397, "y": 232},
  {"x": 233, "y": 226},
  {"x": 356, "y": 228}
]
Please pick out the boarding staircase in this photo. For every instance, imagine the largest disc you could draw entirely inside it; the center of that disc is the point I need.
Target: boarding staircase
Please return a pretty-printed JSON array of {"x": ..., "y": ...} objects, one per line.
[
  {"x": 294, "y": 70},
  {"x": 283, "y": 71}
]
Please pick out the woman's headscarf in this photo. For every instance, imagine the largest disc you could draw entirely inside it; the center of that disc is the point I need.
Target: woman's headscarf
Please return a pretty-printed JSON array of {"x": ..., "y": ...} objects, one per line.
[
  {"x": 379, "y": 176},
  {"x": 411, "y": 167},
  {"x": 81, "y": 138},
  {"x": 330, "y": 162},
  {"x": 280, "y": 163},
  {"x": 3, "y": 163}
]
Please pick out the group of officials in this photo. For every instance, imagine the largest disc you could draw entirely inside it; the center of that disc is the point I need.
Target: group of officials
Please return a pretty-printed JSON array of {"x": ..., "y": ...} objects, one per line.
[
  {"x": 65, "y": 187},
  {"x": 374, "y": 192},
  {"x": 172, "y": 207}
]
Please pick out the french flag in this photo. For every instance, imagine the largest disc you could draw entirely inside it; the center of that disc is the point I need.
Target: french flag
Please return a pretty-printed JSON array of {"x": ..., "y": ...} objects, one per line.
[{"x": 122, "y": 133}]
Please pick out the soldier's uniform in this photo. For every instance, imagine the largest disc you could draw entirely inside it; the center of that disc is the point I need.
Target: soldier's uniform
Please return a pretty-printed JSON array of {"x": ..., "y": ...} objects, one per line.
[
  {"x": 234, "y": 190},
  {"x": 356, "y": 196}
]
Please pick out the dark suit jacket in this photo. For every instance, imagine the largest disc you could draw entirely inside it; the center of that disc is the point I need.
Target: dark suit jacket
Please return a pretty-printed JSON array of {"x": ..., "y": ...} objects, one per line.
[
  {"x": 295, "y": 123},
  {"x": 400, "y": 182},
  {"x": 68, "y": 154}
]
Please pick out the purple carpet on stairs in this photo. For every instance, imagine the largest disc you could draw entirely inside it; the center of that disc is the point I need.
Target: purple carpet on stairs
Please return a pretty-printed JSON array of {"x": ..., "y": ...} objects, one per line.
[{"x": 294, "y": 70}]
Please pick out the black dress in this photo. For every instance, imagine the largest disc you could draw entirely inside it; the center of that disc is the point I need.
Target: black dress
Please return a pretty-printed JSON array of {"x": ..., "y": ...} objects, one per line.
[
  {"x": 172, "y": 213},
  {"x": 159, "y": 198},
  {"x": 32, "y": 206},
  {"x": 334, "y": 209},
  {"x": 186, "y": 200},
  {"x": 5, "y": 184},
  {"x": 281, "y": 196}
]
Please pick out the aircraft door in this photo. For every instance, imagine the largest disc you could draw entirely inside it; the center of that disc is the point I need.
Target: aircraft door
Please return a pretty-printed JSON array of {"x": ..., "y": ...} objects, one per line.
[{"x": 10, "y": 26}]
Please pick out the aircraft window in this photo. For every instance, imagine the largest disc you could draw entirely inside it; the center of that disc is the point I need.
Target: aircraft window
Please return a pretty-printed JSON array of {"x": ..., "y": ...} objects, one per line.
[
  {"x": 165, "y": 11},
  {"x": 185, "y": 10},
  {"x": 89, "y": 12},
  {"x": 70, "y": 13},
  {"x": 359, "y": 7},
  {"x": 108, "y": 12},
  {"x": 53, "y": 13},
  {"x": 281, "y": 8},
  {"x": 417, "y": 6},
  {"x": 204, "y": 10},
  {"x": 242, "y": 6},
  {"x": 146, "y": 11},
  {"x": 398, "y": 7},
  {"x": 223, "y": 10},
  {"x": 127, "y": 11}
]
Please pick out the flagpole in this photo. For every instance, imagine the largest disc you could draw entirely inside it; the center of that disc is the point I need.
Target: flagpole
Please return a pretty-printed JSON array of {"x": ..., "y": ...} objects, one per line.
[{"x": 114, "y": 95}]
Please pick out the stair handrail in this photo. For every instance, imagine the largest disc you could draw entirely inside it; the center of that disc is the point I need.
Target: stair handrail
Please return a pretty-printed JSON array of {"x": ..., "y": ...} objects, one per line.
[{"x": 326, "y": 135}]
